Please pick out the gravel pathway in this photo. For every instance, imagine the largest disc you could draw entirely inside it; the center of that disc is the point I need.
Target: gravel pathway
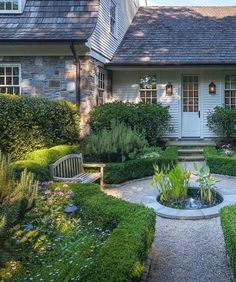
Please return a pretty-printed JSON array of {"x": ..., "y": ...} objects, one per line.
[{"x": 183, "y": 250}]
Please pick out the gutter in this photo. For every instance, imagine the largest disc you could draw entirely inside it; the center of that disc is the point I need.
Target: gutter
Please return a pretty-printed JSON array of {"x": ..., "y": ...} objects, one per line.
[{"x": 78, "y": 73}]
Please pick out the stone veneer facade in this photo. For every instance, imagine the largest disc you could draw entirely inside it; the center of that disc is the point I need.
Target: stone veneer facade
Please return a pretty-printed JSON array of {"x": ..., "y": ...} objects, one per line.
[{"x": 54, "y": 77}]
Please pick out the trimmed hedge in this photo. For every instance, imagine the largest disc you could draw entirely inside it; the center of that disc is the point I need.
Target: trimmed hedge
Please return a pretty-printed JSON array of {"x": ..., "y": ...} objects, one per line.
[
  {"x": 28, "y": 124},
  {"x": 38, "y": 161},
  {"x": 228, "y": 223},
  {"x": 218, "y": 163},
  {"x": 123, "y": 255},
  {"x": 116, "y": 173},
  {"x": 152, "y": 120}
]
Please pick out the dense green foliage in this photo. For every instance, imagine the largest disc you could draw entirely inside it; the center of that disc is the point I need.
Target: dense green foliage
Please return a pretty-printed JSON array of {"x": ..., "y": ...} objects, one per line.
[
  {"x": 38, "y": 161},
  {"x": 27, "y": 124},
  {"x": 117, "y": 144},
  {"x": 124, "y": 253},
  {"x": 116, "y": 173},
  {"x": 172, "y": 184},
  {"x": 153, "y": 120},
  {"x": 219, "y": 163},
  {"x": 16, "y": 197},
  {"x": 222, "y": 121},
  {"x": 107, "y": 239},
  {"x": 228, "y": 223},
  {"x": 50, "y": 245}
]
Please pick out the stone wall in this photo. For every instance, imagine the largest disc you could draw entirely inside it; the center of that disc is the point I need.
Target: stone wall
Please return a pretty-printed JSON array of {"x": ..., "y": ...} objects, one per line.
[{"x": 50, "y": 77}]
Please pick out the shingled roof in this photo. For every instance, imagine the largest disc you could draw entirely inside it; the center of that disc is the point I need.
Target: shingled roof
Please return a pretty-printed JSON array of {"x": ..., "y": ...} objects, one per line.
[
  {"x": 179, "y": 36},
  {"x": 51, "y": 20}
]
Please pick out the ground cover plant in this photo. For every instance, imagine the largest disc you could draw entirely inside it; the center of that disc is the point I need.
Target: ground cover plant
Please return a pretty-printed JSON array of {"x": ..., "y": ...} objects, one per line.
[
  {"x": 27, "y": 124},
  {"x": 49, "y": 245},
  {"x": 86, "y": 245},
  {"x": 152, "y": 120},
  {"x": 219, "y": 162}
]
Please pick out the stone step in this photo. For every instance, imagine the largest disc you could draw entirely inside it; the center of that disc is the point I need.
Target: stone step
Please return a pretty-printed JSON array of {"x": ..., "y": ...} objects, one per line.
[
  {"x": 190, "y": 151},
  {"x": 191, "y": 158},
  {"x": 190, "y": 144}
]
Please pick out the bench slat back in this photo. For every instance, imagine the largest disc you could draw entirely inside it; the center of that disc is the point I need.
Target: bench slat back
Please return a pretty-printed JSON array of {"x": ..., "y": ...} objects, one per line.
[{"x": 68, "y": 166}]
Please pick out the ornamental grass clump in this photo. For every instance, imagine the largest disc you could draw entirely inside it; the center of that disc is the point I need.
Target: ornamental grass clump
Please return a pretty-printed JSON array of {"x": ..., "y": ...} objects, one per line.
[
  {"x": 118, "y": 144},
  {"x": 16, "y": 197}
]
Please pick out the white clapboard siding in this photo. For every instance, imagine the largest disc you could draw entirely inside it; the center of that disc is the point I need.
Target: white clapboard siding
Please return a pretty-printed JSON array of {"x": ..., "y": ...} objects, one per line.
[
  {"x": 126, "y": 88},
  {"x": 209, "y": 102},
  {"x": 102, "y": 41}
]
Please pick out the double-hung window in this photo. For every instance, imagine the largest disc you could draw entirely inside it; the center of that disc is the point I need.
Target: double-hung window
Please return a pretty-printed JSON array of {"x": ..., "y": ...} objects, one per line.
[
  {"x": 9, "y": 6},
  {"x": 10, "y": 79},
  {"x": 113, "y": 16},
  {"x": 101, "y": 87},
  {"x": 148, "y": 89},
  {"x": 230, "y": 91}
]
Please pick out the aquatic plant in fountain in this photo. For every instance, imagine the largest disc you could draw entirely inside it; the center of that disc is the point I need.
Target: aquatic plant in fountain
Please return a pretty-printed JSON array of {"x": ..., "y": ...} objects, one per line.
[
  {"x": 172, "y": 184},
  {"x": 206, "y": 183}
]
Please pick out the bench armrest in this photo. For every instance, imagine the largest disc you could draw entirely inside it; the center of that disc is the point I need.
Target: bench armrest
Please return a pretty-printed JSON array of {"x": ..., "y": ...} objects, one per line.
[{"x": 93, "y": 165}]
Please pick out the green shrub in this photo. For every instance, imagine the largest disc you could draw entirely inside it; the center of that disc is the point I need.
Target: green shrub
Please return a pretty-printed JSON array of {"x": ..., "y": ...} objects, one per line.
[
  {"x": 116, "y": 173},
  {"x": 228, "y": 223},
  {"x": 219, "y": 163},
  {"x": 38, "y": 161},
  {"x": 123, "y": 255},
  {"x": 16, "y": 197},
  {"x": 118, "y": 144},
  {"x": 222, "y": 121},
  {"x": 151, "y": 119},
  {"x": 27, "y": 124}
]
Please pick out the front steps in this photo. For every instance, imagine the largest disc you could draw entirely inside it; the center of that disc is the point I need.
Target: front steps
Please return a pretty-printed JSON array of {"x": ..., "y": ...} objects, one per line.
[{"x": 191, "y": 150}]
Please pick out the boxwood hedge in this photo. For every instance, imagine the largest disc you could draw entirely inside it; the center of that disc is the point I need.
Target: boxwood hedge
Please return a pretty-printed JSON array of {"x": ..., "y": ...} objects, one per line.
[
  {"x": 123, "y": 255},
  {"x": 116, "y": 173},
  {"x": 38, "y": 161},
  {"x": 228, "y": 223},
  {"x": 218, "y": 163},
  {"x": 27, "y": 124}
]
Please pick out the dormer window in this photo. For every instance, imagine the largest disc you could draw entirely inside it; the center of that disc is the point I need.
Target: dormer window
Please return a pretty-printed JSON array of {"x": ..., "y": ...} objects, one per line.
[
  {"x": 10, "y": 6},
  {"x": 113, "y": 16}
]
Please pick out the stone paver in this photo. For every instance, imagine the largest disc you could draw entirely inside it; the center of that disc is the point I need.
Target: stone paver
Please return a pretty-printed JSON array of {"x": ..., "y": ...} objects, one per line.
[{"x": 183, "y": 250}]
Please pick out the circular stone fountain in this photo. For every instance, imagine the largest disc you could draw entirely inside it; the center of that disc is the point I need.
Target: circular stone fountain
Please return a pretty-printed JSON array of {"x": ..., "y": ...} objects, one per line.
[{"x": 192, "y": 208}]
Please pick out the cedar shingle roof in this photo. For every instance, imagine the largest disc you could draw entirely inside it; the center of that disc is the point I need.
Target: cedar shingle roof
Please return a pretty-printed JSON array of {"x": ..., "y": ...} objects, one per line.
[
  {"x": 51, "y": 20},
  {"x": 180, "y": 35}
]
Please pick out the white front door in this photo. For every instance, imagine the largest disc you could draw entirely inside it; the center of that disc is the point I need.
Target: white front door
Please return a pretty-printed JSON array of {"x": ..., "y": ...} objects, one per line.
[{"x": 191, "y": 116}]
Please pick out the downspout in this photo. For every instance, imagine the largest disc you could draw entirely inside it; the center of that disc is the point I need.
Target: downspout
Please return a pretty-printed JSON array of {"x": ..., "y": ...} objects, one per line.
[{"x": 78, "y": 73}]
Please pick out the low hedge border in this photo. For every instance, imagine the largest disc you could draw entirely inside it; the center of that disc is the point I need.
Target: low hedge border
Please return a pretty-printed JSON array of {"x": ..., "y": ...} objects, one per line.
[
  {"x": 228, "y": 223},
  {"x": 116, "y": 173},
  {"x": 124, "y": 253},
  {"x": 218, "y": 163},
  {"x": 38, "y": 161}
]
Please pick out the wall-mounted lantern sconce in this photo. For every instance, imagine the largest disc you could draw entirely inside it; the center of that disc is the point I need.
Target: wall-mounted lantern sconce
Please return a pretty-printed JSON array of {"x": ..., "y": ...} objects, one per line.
[
  {"x": 169, "y": 89},
  {"x": 212, "y": 88}
]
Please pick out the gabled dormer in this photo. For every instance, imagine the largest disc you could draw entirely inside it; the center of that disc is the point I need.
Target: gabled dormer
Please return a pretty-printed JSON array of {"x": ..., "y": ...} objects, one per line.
[{"x": 12, "y": 6}]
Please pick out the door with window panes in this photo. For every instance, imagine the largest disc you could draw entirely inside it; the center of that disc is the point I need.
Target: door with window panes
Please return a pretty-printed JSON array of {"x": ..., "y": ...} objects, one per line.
[{"x": 191, "y": 115}]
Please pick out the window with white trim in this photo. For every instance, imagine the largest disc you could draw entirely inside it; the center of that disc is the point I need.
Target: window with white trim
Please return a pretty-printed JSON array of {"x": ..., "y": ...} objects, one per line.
[
  {"x": 148, "y": 89},
  {"x": 101, "y": 87},
  {"x": 9, "y": 5},
  {"x": 10, "y": 79},
  {"x": 230, "y": 91},
  {"x": 113, "y": 8}
]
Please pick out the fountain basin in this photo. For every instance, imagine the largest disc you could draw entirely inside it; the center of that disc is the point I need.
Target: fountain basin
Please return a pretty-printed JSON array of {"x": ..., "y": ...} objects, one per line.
[
  {"x": 193, "y": 201},
  {"x": 227, "y": 197}
]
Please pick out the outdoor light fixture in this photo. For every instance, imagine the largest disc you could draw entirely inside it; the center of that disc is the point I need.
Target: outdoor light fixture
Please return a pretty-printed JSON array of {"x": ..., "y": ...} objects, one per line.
[
  {"x": 169, "y": 89},
  {"x": 212, "y": 88}
]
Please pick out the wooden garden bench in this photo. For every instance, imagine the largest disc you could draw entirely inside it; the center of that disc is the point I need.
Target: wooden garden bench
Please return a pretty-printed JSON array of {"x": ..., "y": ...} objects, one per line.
[{"x": 71, "y": 169}]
